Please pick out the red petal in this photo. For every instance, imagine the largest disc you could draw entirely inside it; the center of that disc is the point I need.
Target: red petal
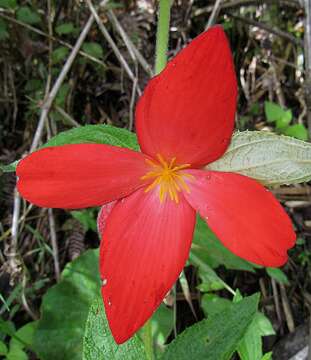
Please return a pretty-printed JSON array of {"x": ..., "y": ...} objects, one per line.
[
  {"x": 188, "y": 110},
  {"x": 78, "y": 176},
  {"x": 144, "y": 248},
  {"x": 244, "y": 215}
]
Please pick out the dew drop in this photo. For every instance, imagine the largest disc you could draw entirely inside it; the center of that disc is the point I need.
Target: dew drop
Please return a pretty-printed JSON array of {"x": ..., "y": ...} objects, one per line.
[
  {"x": 109, "y": 303},
  {"x": 104, "y": 282}
]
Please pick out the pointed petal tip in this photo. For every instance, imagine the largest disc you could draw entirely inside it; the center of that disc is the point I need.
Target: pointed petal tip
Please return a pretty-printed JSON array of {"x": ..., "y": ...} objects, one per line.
[
  {"x": 244, "y": 215},
  {"x": 198, "y": 87},
  {"x": 137, "y": 276}
]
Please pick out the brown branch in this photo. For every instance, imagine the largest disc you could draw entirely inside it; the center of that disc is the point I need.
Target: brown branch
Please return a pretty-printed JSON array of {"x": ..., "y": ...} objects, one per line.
[
  {"x": 239, "y": 3},
  {"x": 270, "y": 29}
]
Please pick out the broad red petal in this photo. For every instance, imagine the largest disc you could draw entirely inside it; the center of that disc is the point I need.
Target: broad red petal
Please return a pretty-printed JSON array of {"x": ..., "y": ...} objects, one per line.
[
  {"x": 144, "y": 248},
  {"x": 188, "y": 110},
  {"x": 78, "y": 176},
  {"x": 244, "y": 215}
]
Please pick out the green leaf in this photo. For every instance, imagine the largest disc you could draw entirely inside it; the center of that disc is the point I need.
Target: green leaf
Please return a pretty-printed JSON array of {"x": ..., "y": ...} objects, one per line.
[
  {"x": 297, "y": 131},
  {"x": 284, "y": 121},
  {"x": 64, "y": 310},
  {"x": 267, "y": 356},
  {"x": 161, "y": 326},
  {"x": 64, "y": 29},
  {"x": 216, "y": 337},
  {"x": 269, "y": 158},
  {"x": 278, "y": 275},
  {"x": 96, "y": 134},
  {"x": 61, "y": 95},
  {"x": 3, "y": 348},
  {"x": 7, "y": 327},
  {"x": 208, "y": 248},
  {"x": 213, "y": 304},
  {"x": 210, "y": 280},
  {"x": 250, "y": 346},
  {"x": 3, "y": 30},
  {"x": 8, "y": 168},
  {"x": 16, "y": 354},
  {"x": 87, "y": 218},
  {"x": 88, "y": 134},
  {"x": 8, "y": 4},
  {"x": 274, "y": 111},
  {"x": 27, "y": 15},
  {"x": 59, "y": 54},
  {"x": 98, "y": 343},
  {"x": 93, "y": 49},
  {"x": 23, "y": 338}
]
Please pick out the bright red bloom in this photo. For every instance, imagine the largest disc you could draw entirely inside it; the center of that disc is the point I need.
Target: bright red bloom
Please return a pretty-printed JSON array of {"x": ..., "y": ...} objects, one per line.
[{"x": 184, "y": 120}]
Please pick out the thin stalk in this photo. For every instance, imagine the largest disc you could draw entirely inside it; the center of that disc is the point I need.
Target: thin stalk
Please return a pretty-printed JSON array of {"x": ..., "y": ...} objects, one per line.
[{"x": 162, "y": 35}]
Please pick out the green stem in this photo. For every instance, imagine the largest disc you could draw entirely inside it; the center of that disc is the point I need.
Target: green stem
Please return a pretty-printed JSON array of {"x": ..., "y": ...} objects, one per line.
[
  {"x": 162, "y": 35},
  {"x": 148, "y": 340}
]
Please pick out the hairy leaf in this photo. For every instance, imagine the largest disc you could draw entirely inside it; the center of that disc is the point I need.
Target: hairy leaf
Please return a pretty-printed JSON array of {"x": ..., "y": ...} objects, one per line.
[
  {"x": 217, "y": 337},
  {"x": 96, "y": 134},
  {"x": 98, "y": 343},
  {"x": 64, "y": 310},
  {"x": 269, "y": 158}
]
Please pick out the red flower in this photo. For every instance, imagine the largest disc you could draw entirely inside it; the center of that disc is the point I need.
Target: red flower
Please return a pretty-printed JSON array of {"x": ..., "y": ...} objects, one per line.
[{"x": 184, "y": 120}]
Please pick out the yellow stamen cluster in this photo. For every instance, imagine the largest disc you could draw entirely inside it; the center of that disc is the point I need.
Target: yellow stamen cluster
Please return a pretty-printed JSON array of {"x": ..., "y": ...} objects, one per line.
[{"x": 169, "y": 178}]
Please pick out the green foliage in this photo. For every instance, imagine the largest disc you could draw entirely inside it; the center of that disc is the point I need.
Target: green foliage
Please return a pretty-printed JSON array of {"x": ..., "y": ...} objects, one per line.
[
  {"x": 3, "y": 30},
  {"x": 59, "y": 54},
  {"x": 210, "y": 280},
  {"x": 89, "y": 134},
  {"x": 65, "y": 29},
  {"x": 208, "y": 248},
  {"x": 8, "y": 4},
  {"x": 27, "y": 15},
  {"x": 98, "y": 343},
  {"x": 87, "y": 218},
  {"x": 96, "y": 134},
  {"x": 297, "y": 131},
  {"x": 62, "y": 94},
  {"x": 93, "y": 49},
  {"x": 250, "y": 346},
  {"x": 282, "y": 119},
  {"x": 278, "y": 275},
  {"x": 217, "y": 337},
  {"x": 65, "y": 309},
  {"x": 3, "y": 348},
  {"x": 269, "y": 158},
  {"x": 8, "y": 168},
  {"x": 20, "y": 341},
  {"x": 274, "y": 112}
]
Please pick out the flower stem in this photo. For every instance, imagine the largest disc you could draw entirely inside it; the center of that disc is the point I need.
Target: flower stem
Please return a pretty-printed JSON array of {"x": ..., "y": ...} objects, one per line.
[
  {"x": 147, "y": 340},
  {"x": 162, "y": 35}
]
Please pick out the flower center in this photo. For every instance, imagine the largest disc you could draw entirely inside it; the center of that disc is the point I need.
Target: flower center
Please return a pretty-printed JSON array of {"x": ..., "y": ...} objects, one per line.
[{"x": 169, "y": 178}]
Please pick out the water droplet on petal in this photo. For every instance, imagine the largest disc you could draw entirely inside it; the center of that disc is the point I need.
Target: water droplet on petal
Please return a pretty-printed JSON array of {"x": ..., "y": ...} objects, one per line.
[
  {"x": 104, "y": 282},
  {"x": 109, "y": 303}
]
